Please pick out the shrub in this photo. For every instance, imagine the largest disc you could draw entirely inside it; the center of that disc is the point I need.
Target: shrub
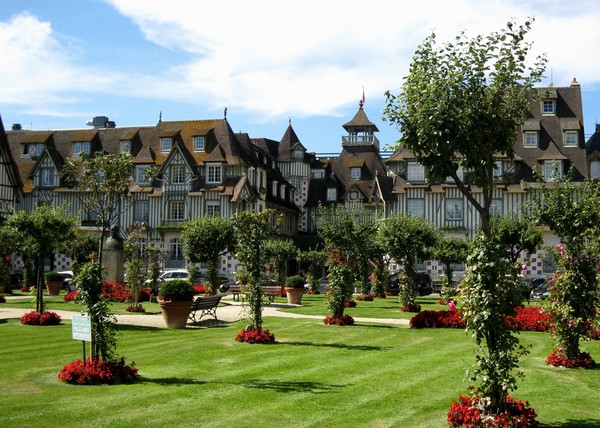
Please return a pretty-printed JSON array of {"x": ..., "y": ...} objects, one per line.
[
  {"x": 72, "y": 296},
  {"x": 558, "y": 359},
  {"x": 350, "y": 304},
  {"x": 366, "y": 297},
  {"x": 343, "y": 320},
  {"x": 96, "y": 372},
  {"x": 466, "y": 412},
  {"x": 116, "y": 291},
  {"x": 177, "y": 290},
  {"x": 411, "y": 307},
  {"x": 531, "y": 318},
  {"x": 255, "y": 335},
  {"x": 437, "y": 319},
  {"x": 46, "y": 318},
  {"x": 2, "y": 299},
  {"x": 53, "y": 276},
  {"x": 199, "y": 289},
  {"x": 135, "y": 308},
  {"x": 294, "y": 281}
]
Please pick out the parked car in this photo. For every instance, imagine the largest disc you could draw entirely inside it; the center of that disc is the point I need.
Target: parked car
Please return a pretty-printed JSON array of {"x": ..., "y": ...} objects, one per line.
[
  {"x": 170, "y": 275},
  {"x": 68, "y": 280},
  {"x": 423, "y": 280},
  {"x": 540, "y": 293}
]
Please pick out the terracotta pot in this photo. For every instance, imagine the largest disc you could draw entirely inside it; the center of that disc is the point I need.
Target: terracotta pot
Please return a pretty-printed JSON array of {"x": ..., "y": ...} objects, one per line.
[
  {"x": 175, "y": 314},
  {"x": 294, "y": 295},
  {"x": 53, "y": 287}
]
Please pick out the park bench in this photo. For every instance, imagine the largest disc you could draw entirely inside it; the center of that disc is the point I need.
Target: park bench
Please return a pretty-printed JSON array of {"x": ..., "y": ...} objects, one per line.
[
  {"x": 269, "y": 291},
  {"x": 207, "y": 305}
]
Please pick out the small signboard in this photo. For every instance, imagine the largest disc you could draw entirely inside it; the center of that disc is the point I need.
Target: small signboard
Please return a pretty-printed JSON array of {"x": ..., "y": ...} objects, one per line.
[{"x": 82, "y": 328}]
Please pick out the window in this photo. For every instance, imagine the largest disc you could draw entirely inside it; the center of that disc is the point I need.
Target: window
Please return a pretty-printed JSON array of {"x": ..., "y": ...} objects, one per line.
[
  {"x": 595, "y": 169},
  {"x": 175, "y": 249},
  {"x": 496, "y": 207},
  {"x": 318, "y": 173},
  {"x": 214, "y": 173},
  {"x": 530, "y": 139},
  {"x": 416, "y": 207},
  {"x": 141, "y": 174},
  {"x": 298, "y": 154},
  {"x": 47, "y": 177},
  {"x": 81, "y": 147},
  {"x": 165, "y": 144},
  {"x": 355, "y": 173},
  {"x": 126, "y": 146},
  {"x": 548, "y": 106},
  {"x": 553, "y": 170},
  {"x": 459, "y": 172},
  {"x": 497, "y": 173},
  {"x": 178, "y": 174},
  {"x": 141, "y": 210},
  {"x": 548, "y": 264},
  {"x": 274, "y": 188},
  {"x": 571, "y": 139},
  {"x": 282, "y": 191},
  {"x": 199, "y": 144},
  {"x": 415, "y": 172},
  {"x": 213, "y": 208},
  {"x": 176, "y": 211},
  {"x": 331, "y": 194},
  {"x": 454, "y": 209},
  {"x": 33, "y": 149}
]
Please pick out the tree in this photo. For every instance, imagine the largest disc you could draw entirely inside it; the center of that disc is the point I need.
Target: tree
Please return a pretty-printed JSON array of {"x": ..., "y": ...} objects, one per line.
[
  {"x": 205, "y": 240},
  {"x": 252, "y": 230},
  {"x": 406, "y": 238},
  {"x": 519, "y": 235},
  {"x": 462, "y": 105},
  {"x": 571, "y": 212},
  {"x": 278, "y": 252},
  {"x": 448, "y": 250},
  {"x": 316, "y": 261},
  {"x": 40, "y": 234}
]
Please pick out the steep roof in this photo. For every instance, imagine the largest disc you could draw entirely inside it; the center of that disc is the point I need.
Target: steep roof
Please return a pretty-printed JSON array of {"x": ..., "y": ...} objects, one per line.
[{"x": 360, "y": 122}]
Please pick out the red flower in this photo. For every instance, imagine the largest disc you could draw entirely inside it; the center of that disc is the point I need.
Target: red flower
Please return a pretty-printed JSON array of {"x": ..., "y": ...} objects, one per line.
[
  {"x": 466, "y": 413},
  {"x": 250, "y": 335},
  {"x": 96, "y": 372},
  {"x": 345, "y": 320},
  {"x": 46, "y": 318}
]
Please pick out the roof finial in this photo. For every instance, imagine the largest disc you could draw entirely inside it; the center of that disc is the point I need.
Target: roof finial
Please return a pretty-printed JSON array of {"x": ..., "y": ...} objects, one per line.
[
  {"x": 361, "y": 103},
  {"x": 290, "y": 120},
  {"x": 160, "y": 116},
  {"x": 225, "y": 113}
]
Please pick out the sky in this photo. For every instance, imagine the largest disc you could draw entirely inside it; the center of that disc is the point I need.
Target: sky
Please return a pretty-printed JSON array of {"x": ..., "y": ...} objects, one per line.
[{"x": 269, "y": 63}]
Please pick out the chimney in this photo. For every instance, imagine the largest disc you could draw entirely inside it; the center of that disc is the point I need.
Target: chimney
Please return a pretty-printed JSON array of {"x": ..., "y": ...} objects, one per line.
[{"x": 17, "y": 127}]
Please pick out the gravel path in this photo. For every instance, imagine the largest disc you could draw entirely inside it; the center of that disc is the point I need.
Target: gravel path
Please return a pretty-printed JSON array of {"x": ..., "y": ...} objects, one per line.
[{"x": 228, "y": 311}]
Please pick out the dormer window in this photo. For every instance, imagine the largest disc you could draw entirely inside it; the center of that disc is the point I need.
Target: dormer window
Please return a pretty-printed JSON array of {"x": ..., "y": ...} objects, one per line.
[
  {"x": 497, "y": 173},
  {"x": 126, "y": 146},
  {"x": 415, "y": 172},
  {"x": 298, "y": 154},
  {"x": 355, "y": 173},
  {"x": 282, "y": 191},
  {"x": 165, "y": 144},
  {"x": 80, "y": 147},
  {"x": 530, "y": 138},
  {"x": 35, "y": 149},
  {"x": 571, "y": 139},
  {"x": 549, "y": 107},
  {"x": 553, "y": 170},
  {"x": 47, "y": 177},
  {"x": 318, "y": 173},
  {"x": 332, "y": 194},
  {"x": 274, "y": 189},
  {"x": 141, "y": 174},
  {"x": 199, "y": 143}
]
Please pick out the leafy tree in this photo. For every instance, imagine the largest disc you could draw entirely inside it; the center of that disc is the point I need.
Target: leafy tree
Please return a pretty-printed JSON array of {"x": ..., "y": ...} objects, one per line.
[
  {"x": 40, "y": 234},
  {"x": 448, "y": 250},
  {"x": 315, "y": 260},
  {"x": 134, "y": 263},
  {"x": 519, "y": 235},
  {"x": 462, "y": 104},
  {"x": 205, "y": 240},
  {"x": 82, "y": 249},
  {"x": 407, "y": 238},
  {"x": 278, "y": 252},
  {"x": 571, "y": 212},
  {"x": 252, "y": 230}
]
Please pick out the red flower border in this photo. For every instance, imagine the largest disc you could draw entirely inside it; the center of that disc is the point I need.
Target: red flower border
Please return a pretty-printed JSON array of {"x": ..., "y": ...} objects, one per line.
[
  {"x": 466, "y": 412},
  {"x": 46, "y": 318},
  {"x": 558, "y": 359},
  {"x": 97, "y": 372},
  {"x": 345, "y": 320},
  {"x": 250, "y": 335}
]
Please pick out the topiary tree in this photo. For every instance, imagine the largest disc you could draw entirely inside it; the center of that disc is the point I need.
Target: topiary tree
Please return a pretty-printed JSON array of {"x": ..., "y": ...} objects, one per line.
[
  {"x": 472, "y": 93},
  {"x": 406, "y": 238},
  {"x": 205, "y": 240},
  {"x": 278, "y": 253},
  {"x": 315, "y": 260},
  {"x": 448, "y": 250}
]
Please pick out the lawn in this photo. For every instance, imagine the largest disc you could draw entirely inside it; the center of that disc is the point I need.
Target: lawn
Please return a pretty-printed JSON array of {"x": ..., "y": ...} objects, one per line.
[{"x": 366, "y": 375}]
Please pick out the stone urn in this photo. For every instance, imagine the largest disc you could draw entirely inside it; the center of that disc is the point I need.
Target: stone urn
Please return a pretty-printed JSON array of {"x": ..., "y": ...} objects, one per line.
[
  {"x": 175, "y": 314},
  {"x": 54, "y": 282}
]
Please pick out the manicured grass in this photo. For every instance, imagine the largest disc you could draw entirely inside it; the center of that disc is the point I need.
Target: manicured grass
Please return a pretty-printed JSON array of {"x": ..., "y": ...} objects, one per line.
[{"x": 366, "y": 375}]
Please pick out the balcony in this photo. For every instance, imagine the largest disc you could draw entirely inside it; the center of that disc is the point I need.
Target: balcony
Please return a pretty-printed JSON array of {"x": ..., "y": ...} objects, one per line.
[{"x": 360, "y": 140}]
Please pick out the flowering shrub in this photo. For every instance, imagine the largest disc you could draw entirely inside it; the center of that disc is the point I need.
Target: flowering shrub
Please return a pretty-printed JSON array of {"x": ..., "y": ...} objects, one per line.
[
  {"x": 350, "y": 304},
  {"x": 467, "y": 412},
  {"x": 437, "y": 319},
  {"x": 178, "y": 290},
  {"x": 531, "y": 318},
  {"x": 116, "y": 291},
  {"x": 557, "y": 359},
  {"x": 252, "y": 335},
  {"x": 2, "y": 299},
  {"x": 411, "y": 307},
  {"x": 199, "y": 289},
  {"x": 96, "y": 372},
  {"x": 144, "y": 295},
  {"x": 135, "y": 308},
  {"x": 72, "y": 296},
  {"x": 25, "y": 289},
  {"x": 343, "y": 320},
  {"x": 46, "y": 318},
  {"x": 366, "y": 297}
]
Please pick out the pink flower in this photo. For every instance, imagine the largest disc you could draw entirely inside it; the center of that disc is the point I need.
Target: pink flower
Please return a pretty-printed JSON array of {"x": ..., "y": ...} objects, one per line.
[
  {"x": 524, "y": 266},
  {"x": 452, "y": 305}
]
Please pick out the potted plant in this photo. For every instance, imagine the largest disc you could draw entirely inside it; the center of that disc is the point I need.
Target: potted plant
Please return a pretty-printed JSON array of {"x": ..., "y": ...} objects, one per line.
[
  {"x": 294, "y": 289},
  {"x": 54, "y": 282},
  {"x": 175, "y": 299}
]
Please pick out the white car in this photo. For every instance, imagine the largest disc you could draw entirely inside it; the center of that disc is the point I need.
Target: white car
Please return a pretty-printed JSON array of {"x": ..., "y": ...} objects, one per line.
[{"x": 170, "y": 275}]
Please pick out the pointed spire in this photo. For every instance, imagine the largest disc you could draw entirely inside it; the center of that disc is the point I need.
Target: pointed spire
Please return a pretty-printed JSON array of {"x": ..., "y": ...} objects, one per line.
[
  {"x": 225, "y": 113},
  {"x": 160, "y": 116}
]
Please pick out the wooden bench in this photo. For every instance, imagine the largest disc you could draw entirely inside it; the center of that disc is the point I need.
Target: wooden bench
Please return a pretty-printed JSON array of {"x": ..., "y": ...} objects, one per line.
[
  {"x": 207, "y": 305},
  {"x": 269, "y": 291}
]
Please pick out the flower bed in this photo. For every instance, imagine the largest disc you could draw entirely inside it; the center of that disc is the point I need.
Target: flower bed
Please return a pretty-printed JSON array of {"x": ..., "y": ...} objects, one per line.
[
  {"x": 250, "y": 335},
  {"x": 199, "y": 289},
  {"x": 72, "y": 296},
  {"x": 46, "y": 318},
  {"x": 558, "y": 359},
  {"x": 350, "y": 304},
  {"x": 437, "y": 319},
  {"x": 531, "y": 318},
  {"x": 412, "y": 307},
  {"x": 345, "y": 320},
  {"x": 118, "y": 292},
  {"x": 365, "y": 298},
  {"x": 467, "y": 412},
  {"x": 96, "y": 372}
]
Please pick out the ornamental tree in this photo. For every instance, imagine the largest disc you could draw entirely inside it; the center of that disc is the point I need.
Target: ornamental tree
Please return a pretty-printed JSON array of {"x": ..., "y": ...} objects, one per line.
[
  {"x": 205, "y": 240},
  {"x": 461, "y": 105},
  {"x": 448, "y": 250},
  {"x": 40, "y": 234},
  {"x": 252, "y": 230},
  {"x": 278, "y": 252},
  {"x": 315, "y": 260},
  {"x": 571, "y": 212}
]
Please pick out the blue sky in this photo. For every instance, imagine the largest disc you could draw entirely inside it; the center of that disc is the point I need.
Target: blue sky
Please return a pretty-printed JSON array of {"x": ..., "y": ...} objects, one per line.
[{"x": 267, "y": 62}]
